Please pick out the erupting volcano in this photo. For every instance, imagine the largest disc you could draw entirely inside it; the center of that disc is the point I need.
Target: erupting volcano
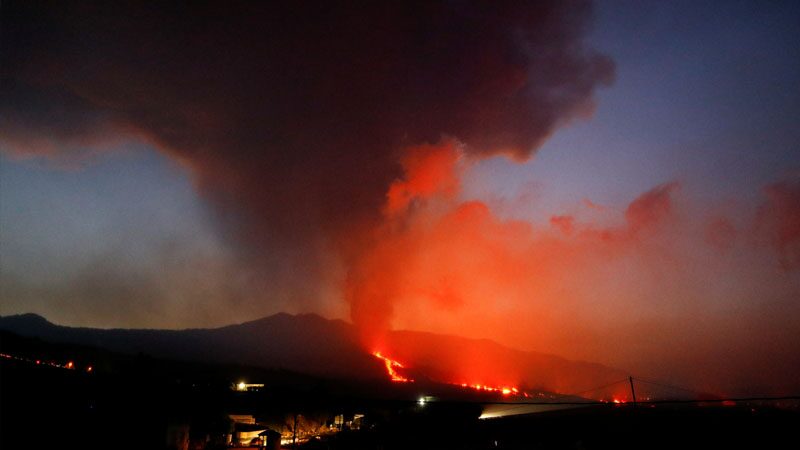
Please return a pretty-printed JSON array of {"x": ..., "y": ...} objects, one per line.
[{"x": 440, "y": 178}]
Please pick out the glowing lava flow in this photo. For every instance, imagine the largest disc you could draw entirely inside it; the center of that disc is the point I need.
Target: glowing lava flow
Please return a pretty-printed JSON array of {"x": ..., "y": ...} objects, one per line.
[
  {"x": 391, "y": 368},
  {"x": 394, "y": 375},
  {"x": 502, "y": 390}
]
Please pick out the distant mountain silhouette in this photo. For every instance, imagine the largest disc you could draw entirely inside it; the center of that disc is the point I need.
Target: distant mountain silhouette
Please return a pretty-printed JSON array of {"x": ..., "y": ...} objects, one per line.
[
  {"x": 305, "y": 343},
  {"x": 311, "y": 344},
  {"x": 461, "y": 360}
]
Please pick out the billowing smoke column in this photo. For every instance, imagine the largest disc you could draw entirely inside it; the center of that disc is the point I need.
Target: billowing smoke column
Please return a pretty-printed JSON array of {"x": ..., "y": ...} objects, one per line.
[
  {"x": 376, "y": 277},
  {"x": 294, "y": 116},
  {"x": 452, "y": 254}
]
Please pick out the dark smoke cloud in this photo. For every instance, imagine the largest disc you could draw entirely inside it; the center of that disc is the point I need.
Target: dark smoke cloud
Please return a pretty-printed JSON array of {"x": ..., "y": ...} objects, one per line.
[{"x": 292, "y": 115}]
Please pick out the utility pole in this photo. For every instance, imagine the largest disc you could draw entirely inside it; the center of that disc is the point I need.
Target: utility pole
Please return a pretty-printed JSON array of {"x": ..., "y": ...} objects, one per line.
[
  {"x": 294, "y": 432},
  {"x": 633, "y": 392}
]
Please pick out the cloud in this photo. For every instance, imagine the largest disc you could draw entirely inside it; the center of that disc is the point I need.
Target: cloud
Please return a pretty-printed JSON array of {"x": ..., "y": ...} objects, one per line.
[
  {"x": 651, "y": 207},
  {"x": 652, "y": 294},
  {"x": 292, "y": 117},
  {"x": 565, "y": 224},
  {"x": 720, "y": 233}
]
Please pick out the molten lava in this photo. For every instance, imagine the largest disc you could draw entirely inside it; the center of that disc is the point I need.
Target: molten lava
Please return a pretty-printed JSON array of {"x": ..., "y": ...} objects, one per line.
[
  {"x": 391, "y": 368},
  {"x": 505, "y": 390}
]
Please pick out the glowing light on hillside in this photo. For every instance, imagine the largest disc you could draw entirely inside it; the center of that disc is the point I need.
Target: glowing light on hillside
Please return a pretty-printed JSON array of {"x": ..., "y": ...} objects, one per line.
[
  {"x": 391, "y": 368},
  {"x": 505, "y": 390},
  {"x": 243, "y": 386}
]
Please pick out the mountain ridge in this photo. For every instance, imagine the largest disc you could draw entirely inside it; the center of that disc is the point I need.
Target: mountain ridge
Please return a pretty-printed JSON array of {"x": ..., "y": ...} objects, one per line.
[{"x": 316, "y": 345}]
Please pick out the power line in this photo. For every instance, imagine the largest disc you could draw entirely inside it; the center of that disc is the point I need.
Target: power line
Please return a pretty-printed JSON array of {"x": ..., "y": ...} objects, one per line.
[
  {"x": 576, "y": 394},
  {"x": 722, "y": 400},
  {"x": 669, "y": 386}
]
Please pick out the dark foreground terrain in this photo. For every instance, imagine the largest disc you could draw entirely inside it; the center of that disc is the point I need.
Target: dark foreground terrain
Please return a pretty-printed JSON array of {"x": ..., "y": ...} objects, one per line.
[{"x": 140, "y": 402}]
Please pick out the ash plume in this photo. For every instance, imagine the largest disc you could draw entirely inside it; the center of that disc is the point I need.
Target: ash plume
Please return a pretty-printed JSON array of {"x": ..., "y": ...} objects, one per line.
[{"x": 292, "y": 116}]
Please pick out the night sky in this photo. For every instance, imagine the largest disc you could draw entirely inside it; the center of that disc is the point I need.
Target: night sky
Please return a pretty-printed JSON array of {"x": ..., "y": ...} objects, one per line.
[{"x": 616, "y": 182}]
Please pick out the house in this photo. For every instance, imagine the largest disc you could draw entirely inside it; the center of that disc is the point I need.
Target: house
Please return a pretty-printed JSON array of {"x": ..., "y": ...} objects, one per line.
[
  {"x": 272, "y": 439},
  {"x": 248, "y": 434}
]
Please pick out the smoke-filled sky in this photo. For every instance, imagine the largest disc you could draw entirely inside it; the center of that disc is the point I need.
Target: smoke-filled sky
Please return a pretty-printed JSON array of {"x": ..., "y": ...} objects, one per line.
[{"x": 616, "y": 182}]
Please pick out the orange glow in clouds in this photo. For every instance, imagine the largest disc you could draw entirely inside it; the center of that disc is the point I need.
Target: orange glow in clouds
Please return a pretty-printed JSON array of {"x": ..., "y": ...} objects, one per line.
[{"x": 581, "y": 285}]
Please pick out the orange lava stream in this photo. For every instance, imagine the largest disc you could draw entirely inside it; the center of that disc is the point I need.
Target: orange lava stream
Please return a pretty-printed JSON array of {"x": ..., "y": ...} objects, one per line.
[
  {"x": 505, "y": 390},
  {"x": 391, "y": 366}
]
